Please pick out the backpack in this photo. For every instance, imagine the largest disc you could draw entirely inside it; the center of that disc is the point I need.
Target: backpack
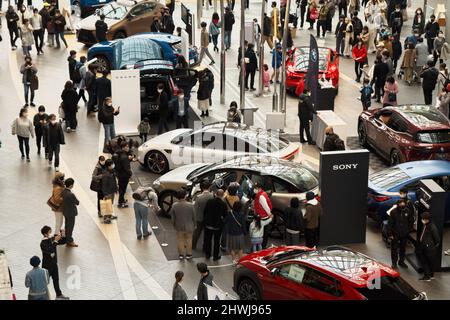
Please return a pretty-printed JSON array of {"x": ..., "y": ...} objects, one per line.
[
  {"x": 76, "y": 73},
  {"x": 357, "y": 26},
  {"x": 339, "y": 144},
  {"x": 366, "y": 93}
]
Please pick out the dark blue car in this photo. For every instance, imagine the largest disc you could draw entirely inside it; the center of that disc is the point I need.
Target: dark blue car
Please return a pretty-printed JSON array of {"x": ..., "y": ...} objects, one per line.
[
  {"x": 384, "y": 186},
  {"x": 118, "y": 54}
]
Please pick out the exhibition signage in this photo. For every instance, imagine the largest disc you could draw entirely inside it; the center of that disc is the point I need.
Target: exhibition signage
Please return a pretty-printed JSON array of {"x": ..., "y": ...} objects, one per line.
[
  {"x": 343, "y": 187},
  {"x": 125, "y": 87}
]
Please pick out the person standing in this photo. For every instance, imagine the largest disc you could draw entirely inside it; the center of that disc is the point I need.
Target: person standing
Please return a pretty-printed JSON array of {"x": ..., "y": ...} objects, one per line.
[
  {"x": 199, "y": 208},
  {"x": 144, "y": 127},
  {"x": 45, "y": 19},
  {"x": 106, "y": 116},
  {"x": 428, "y": 243},
  {"x": 60, "y": 23},
  {"x": 256, "y": 232},
  {"x": 342, "y": 6},
  {"x": 181, "y": 105},
  {"x": 167, "y": 24},
  {"x": 29, "y": 79},
  {"x": 359, "y": 54},
  {"x": 305, "y": 115},
  {"x": 72, "y": 63},
  {"x": 37, "y": 279},
  {"x": 390, "y": 92},
  {"x": 235, "y": 228},
  {"x": 11, "y": 22},
  {"x": 156, "y": 25},
  {"x": 183, "y": 219},
  {"x": 340, "y": 35},
  {"x": 409, "y": 63},
  {"x": 81, "y": 68},
  {"x": 143, "y": 201},
  {"x": 163, "y": 104},
  {"x": 267, "y": 31},
  {"x": 400, "y": 224},
  {"x": 96, "y": 182},
  {"x": 429, "y": 75},
  {"x": 277, "y": 57},
  {"x": 322, "y": 20},
  {"x": 263, "y": 208},
  {"x": 171, "y": 5},
  {"x": 123, "y": 170},
  {"x": 357, "y": 26},
  {"x": 40, "y": 121},
  {"x": 302, "y": 4},
  {"x": 89, "y": 82},
  {"x": 366, "y": 94},
  {"x": 313, "y": 211},
  {"x": 349, "y": 37},
  {"x": 103, "y": 88},
  {"x": 101, "y": 28},
  {"x": 70, "y": 106},
  {"x": 438, "y": 44},
  {"x": 419, "y": 21},
  {"x": 109, "y": 188},
  {"x": 396, "y": 51},
  {"x": 204, "y": 42},
  {"x": 443, "y": 78},
  {"x": 203, "y": 93},
  {"x": 421, "y": 56},
  {"x": 250, "y": 66},
  {"x": 49, "y": 247},
  {"x": 55, "y": 138},
  {"x": 294, "y": 222},
  {"x": 205, "y": 278},
  {"x": 214, "y": 30},
  {"x": 312, "y": 14},
  {"x": 228, "y": 27},
  {"x": 380, "y": 72},
  {"x": 214, "y": 213},
  {"x": 23, "y": 128},
  {"x": 26, "y": 35},
  {"x": 70, "y": 211},
  {"x": 178, "y": 292},
  {"x": 431, "y": 32},
  {"x": 38, "y": 30},
  {"x": 56, "y": 199}
]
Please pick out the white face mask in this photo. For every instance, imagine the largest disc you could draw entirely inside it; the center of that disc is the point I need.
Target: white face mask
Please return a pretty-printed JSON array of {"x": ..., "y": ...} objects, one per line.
[
  {"x": 160, "y": 90},
  {"x": 53, "y": 122},
  {"x": 102, "y": 163},
  {"x": 109, "y": 104},
  {"x": 398, "y": 10},
  {"x": 181, "y": 96}
]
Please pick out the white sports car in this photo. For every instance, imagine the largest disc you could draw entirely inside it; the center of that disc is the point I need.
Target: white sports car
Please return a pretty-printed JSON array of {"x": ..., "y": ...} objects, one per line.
[{"x": 210, "y": 144}]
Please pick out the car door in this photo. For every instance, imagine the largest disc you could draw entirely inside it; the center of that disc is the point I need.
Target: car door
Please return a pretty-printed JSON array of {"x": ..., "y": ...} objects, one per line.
[
  {"x": 397, "y": 129},
  {"x": 188, "y": 150},
  {"x": 136, "y": 22},
  {"x": 213, "y": 147},
  {"x": 153, "y": 10},
  {"x": 285, "y": 282},
  {"x": 376, "y": 133}
]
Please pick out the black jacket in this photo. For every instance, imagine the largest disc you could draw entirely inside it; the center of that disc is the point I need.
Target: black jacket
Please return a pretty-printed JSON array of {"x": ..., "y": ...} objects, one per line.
[
  {"x": 11, "y": 19},
  {"x": 215, "y": 212},
  {"x": 59, "y": 27},
  {"x": 430, "y": 76},
  {"x": 72, "y": 64},
  {"x": 294, "y": 219},
  {"x": 431, "y": 29},
  {"x": 55, "y": 134},
  {"x": 155, "y": 27},
  {"x": 70, "y": 203},
  {"x": 38, "y": 126},
  {"x": 396, "y": 19},
  {"x": 267, "y": 26},
  {"x": 103, "y": 89},
  {"x": 330, "y": 142},
  {"x": 203, "y": 88},
  {"x": 163, "y": 103},
  {"x": 123, "y": 166},
  {"x": 305, "y": 108},
  {"x": 202, "y": 291},
  {"x": 45, "y": 17},
  {"x": 106, "y": 114},
  {"x": 253, "y": 61},
  {"x": 167, "y": 24},
  {"x": 70, "y": 100},
  {"x": 401, "y": 222},
  {"x": 340, "y": 29},
  {"x": 380, "y": 72},
  {"x": 109, "y": 182},
  {"x": 430, "y": 237},
  {"x": 229, "y": 21},
  {"x": 49, "y": 252},
  {"x": 101, "y": 28},
  {"x": 396, "y": 50}
]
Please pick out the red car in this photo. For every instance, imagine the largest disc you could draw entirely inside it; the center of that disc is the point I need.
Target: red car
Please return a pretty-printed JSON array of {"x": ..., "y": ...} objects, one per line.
[
  {"x": 406, "y": 133},
  {"x": 298, "y": 61},
  {"x": 334, "y": 273}
]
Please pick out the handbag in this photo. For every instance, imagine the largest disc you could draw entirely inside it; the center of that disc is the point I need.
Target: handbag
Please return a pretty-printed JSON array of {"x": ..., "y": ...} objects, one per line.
[
  {"x": 52, "y": 204},
  {"x": 96, "y": 185},
  {"x": 314, "y": 14},
  {"x": 34, "y": 82},
  {"x": 106, "y": 207}
]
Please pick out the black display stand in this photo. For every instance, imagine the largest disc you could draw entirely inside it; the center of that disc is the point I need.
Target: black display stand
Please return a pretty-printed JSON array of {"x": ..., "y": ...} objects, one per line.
[
  {"x": 186, "y": 17},
  {"x": 432, "y": 198},
  {"x": 325, "y": 99},
  {"x": 343, "y": 186}
]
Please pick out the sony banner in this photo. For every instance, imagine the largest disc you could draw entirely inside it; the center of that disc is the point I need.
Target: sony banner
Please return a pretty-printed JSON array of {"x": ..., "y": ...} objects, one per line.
[{"x": 343, "y": 189}]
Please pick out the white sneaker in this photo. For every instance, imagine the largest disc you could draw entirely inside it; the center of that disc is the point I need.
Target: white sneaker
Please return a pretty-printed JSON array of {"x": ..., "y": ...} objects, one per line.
[
  {"x": 57, "y": 169},
  {"x": 68, "y": 129},
  {"x": 447, "y": 252},
  {"x": 49, "y": 164}
]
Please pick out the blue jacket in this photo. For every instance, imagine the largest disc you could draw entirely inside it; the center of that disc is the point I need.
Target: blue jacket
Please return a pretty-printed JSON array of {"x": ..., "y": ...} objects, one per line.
[
  {"x": 37, "y": 280},
  {"x": 276, "y": 55},
  {"x": 176, "y": 105}
]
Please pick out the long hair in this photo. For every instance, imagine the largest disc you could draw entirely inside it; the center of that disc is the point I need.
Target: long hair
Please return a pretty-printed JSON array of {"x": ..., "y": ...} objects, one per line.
[
  {"x": 257, "y": 220},
  {"x": 68, "y": 85}
]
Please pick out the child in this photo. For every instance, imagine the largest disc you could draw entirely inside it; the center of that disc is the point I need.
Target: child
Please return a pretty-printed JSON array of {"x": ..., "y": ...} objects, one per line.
[
  {"x": 266, "y": 78},
  {"x": 144, "y": 129},
  {"x": 257, "y": 231},
  {"x": 366, "y": 93}
]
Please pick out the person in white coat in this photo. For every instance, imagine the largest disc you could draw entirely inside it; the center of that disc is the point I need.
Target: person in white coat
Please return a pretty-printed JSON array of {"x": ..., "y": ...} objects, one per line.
[{"x": 256, "y": 232}]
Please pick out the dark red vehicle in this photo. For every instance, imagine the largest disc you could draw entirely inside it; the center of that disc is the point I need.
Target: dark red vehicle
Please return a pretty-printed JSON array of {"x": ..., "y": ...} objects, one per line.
[
  {"x": 406, "y": 133},
  {"x": 334, "y": 273},
  {"x": 298, "y": 61}
]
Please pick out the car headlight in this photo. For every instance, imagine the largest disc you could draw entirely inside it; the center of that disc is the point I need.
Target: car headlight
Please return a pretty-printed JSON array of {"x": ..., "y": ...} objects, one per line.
[{"x": 156, "y": 184}]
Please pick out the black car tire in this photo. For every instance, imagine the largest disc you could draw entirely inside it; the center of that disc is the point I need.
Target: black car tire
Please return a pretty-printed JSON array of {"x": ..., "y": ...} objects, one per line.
[
  {"x": 102, "y": 63},
  {"x": 395, "y": 158},
  {"x": 362, "y": 135},
  {"x": 151, "y": 160},
  {"x": 166, "y": 200},
  {"x": 248, "y": 290},
  {"x": 120, "y": 35}
]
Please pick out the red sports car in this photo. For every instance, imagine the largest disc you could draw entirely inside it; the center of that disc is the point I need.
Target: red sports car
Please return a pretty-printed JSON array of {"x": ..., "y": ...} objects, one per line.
[
  {"x": 334, "y": 273},
  {"x": 298, "y": 61},
  {"x": 406, "y": 133}
]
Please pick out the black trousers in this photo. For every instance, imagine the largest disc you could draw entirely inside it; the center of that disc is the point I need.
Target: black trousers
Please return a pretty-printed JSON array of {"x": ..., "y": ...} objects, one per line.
[
  {"x": 40, "y": 141},
  {"x": 71, "y": 119},
  {"x": 398, "y": 248},
  {"x": 53, "y": 272},
  {"x": 81, "y": 95},
  {"x": 426, "y": 258},
  {"x": 54, "y": 150},
  {"x": 209, "y": 235},
  {"x": 197, "y": 233},
  {"x": 379, "y": 90},
  {"x": 292, "y": 239},
  {"x": 428, "y": 95},
  {"x": 358, "y": 69},
  {"x": 302, "y": 15},
  {"x": 69, "y": 225},
  {"x": 123, "y": 184},
  {"x": 304, "y": 127},
  {"x": 24, "y": 142},
  {"x": 342, "y": 9},
  {"x": 162, "y": 125},
  {"x": 92, "y": 102},
  {"x": 311, "y": 238},
  {"x": 323, "y": 25},
  {"x": 13, "y": 36},
  {"x": 265, "y": 236},
  {"x": 340, "y": 45},
  {"x": 250, "y": 72},
  {"x": 143, "y": 137},
  {"x": 430, "y": 44},
  {"x": 182, "y": 121},
  {"x": 38, "y": 39},
  {"x": 99, "y": 197}
]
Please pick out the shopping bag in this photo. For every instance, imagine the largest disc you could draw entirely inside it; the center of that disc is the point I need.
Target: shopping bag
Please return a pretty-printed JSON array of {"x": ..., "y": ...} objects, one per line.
[{"x": 106, "y": 207}]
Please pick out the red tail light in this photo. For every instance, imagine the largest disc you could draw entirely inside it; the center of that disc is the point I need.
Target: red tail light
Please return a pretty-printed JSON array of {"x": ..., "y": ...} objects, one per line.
[
  {"x": 380, "y": 198},
  {"x": 318, "y": 198},
  {"x": 290, "y": 155}
]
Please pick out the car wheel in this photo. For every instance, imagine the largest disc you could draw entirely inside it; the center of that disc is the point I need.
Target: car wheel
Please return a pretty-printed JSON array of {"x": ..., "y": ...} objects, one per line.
[
  {"x": 395, "y": 158},
  {"x": 248, "y": 290},
  {"x": 120, "y": 35},
  {"x": 362, "y": 135},
  {"x": 102, "y": 63},
  {"x": 156, "y": 162},
  {"x": 166, "y": 201}
]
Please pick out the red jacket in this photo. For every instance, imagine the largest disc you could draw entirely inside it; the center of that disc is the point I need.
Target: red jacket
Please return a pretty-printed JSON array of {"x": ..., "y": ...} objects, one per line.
[
  {"x": 259, "y": 210},
  {"x": 358, "y": 54}
]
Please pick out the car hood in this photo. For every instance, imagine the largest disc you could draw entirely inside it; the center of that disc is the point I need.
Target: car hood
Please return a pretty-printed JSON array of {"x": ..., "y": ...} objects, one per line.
[
  {"x": 89, "y": 22},
  {"x": 179, "y": 175}
]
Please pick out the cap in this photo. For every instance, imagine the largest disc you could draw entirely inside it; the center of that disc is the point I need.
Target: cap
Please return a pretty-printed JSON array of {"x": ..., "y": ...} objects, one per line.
[
  {"x": 46, "y": 4},
  {"x": 310, "y": 195},
  {"x": 35, "y": 261}
]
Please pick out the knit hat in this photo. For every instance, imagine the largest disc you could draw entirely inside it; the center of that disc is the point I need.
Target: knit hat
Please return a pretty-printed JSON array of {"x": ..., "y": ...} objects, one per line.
[
  {"x": 310, "y": 195},
  {"x": 35, "y": 261}
]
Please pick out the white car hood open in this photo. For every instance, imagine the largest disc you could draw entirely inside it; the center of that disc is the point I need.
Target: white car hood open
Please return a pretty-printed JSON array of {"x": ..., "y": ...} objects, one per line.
[
  {"x": 89, "y": 22},
  {"x": 180, "y": 174}
]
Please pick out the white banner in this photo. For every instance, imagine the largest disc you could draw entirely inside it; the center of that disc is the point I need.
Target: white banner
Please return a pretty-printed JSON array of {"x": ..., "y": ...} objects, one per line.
[{"x": 125, "y": 87}]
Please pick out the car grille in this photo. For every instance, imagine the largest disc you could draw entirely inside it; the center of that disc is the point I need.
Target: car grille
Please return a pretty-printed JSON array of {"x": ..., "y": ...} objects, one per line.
[{"x": 86, "y": 36}]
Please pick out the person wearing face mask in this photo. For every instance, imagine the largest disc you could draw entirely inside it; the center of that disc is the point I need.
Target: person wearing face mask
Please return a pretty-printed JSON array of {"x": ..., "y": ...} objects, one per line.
[
  {"x": 400, "y": 224},
  {"x": 122, "y": 160},
  {"x": 70, "y": 211},
  {"x": 38, "y": 30},
  {"x": 181, "y": 109},
  {"x": 427, "y": 246},
  {"x": 23, "y": 128},
  {"x": 396, "y": 20},
  {"x": 96, "y": 181},
  {"x": 419, "y": 21},
  {"x": 69, "y": 98},
  {"x": 26, "y": 35},
  {"x": 109, "y": 187},
  {"x": 12, "y": 23},
  {"x": 263, "y": 208},
  {"x": 431, "y": 32},
  {"x": 438, "y": 44},
  {"x": 40, "y": 121},
  {"x": 55, "y": 138},
  {"x": 163, "y": 103},
  {"x": 106, "y": 116}
]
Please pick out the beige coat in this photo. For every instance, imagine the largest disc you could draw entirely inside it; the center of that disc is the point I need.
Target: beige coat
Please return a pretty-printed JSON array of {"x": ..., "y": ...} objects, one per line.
[
  {"x": 409, "y": 58},
  {"x": 204, "y": 39}
]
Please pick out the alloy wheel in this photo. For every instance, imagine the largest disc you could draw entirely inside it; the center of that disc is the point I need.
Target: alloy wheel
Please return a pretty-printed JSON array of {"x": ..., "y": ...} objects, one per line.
[
  {"x": 167, "y": 202},
  {"x": 395, "y": 158},
  {"x": 362, "y": 135},
  {"x": 247, "y": 291},
  {"x": 157, "y": 162}
]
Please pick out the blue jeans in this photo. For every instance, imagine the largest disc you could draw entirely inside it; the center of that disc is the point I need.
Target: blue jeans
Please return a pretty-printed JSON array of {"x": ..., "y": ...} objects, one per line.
[
  {"x": 60, "y": 35},
  {"x": 141, "y": 214},
  {"x": 227, "y": 39},
  {"x": 110, "y": 132},
  {"x": 38, "y": 297},
  {"x": 256, "y": 244},
  {"x": 26, "y": 89}
]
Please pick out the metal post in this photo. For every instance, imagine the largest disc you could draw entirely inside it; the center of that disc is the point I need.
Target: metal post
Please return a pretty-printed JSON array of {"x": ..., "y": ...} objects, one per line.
[
  {"x": 199, "y": 12},
  {"x": 242, "y": 62},
  {"x": 261, "y": 50},
  {"x": 425, "y": 4},
  {"x": 275, "y": 87},
  {"x": 215, "y": 5},
  {"x": 222, "y": 53},
  {"x": 193, "y": 29},
  {"x": 283, "y": 59}
]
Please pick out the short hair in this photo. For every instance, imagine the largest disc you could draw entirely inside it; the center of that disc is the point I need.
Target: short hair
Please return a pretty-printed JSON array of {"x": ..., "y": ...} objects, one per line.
[
  {"x": 124, "y": 144},
  {"x": 432, "y": 16},
  {"x": 41, "y": 109},
  {"x": 294, "y": 202},
  {"x": 45, "y": 230},
  {"x": 72, "y": 52},
  {"x": 401, "y": 201},
  {"x": 232, "y": 189},
  {"x": 203, "y": 24},
  {"x": 101, "y": 158},
  {"x": 390, "y": 79},
  {"x": 160, "y": 86},
  {"x": 52, "y": 116},
  {"x": 102, "y": 16},
  {"x": 403, "y": 190},
  {"x": 425, "y": 216},
  {"x": 205, "y": 184},
  {"x": 83, "y": 59},
  {"x": 202, "y": 267},
  {"x": 109, "y": 163},
  {"x": 181, "y": 194},
  {"x": 420, "y": 39},
  {"x": 220, "y": 193},
  {"x": 35, "y": 10},
  {"x": 105, "y": 72},
  {"x": 69, "y": 182},
  {"x": 329, "y": 129}
]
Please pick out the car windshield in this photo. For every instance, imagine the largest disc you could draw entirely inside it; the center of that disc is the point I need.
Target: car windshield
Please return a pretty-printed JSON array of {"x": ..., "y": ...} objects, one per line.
[
  {"x": 389, "y": 178},
  {"x": 438, "y": 136},
  {"x": 389, "y": 288},
  {"x": 301, "y": 178},
  {"x": 200, "y": 170},
  {"x": 302, "y": 58},
  {"x": 130, "y": 51},
  {"x": 111, "y": 11},
  {"x": 424, "y": 116}
]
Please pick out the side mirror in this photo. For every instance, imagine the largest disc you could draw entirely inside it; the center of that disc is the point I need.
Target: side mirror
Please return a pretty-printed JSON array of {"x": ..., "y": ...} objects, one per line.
[{"x": 274, "y": 272}]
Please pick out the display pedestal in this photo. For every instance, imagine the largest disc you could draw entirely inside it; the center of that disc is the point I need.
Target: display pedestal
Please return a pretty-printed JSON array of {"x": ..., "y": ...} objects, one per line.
[
  {"x": 323, "y": 119},
  {"x": 325, "y": 98}
]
